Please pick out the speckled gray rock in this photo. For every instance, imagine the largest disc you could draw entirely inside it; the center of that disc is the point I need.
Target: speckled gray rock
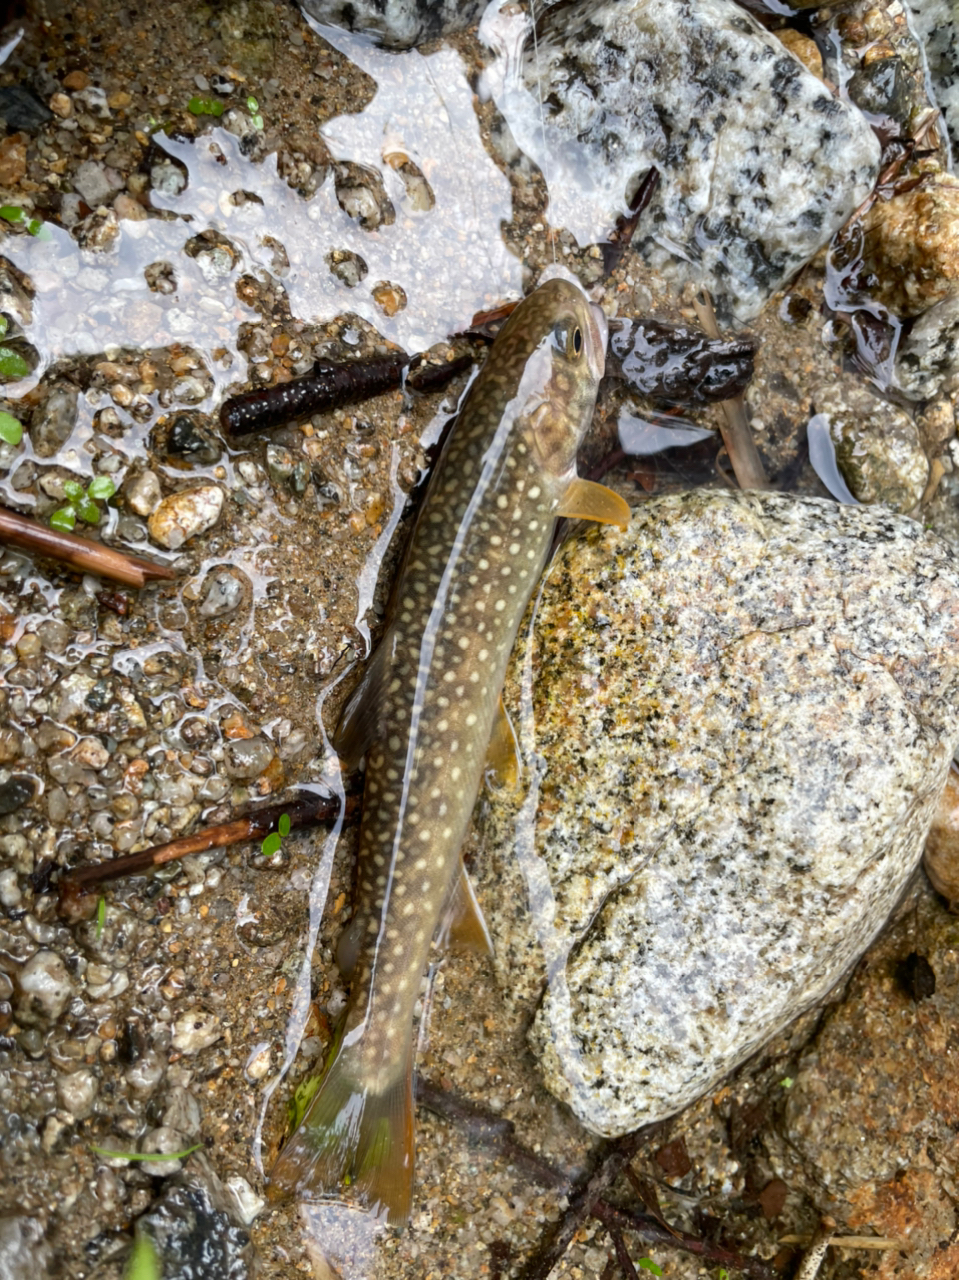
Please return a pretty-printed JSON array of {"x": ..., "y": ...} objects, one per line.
[
  {"x": 927, "y": 361},
  {"x": 759, "y": 163},
  {"x": 878, "y": 450},
  {"x": 398, "y": 24},
  {"x": 736, "y": 719},
  {"x": 44, "y": 989}
]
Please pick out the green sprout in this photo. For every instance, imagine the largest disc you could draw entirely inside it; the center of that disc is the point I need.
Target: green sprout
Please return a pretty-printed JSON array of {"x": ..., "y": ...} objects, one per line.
[
  {"x": 254, "y": 109},
  {"x": 13, "y": 367},
  {"x": 145, "y": 1156},
  {"x": 723, "y": 1274},
  {"x": 144, "y": 1263},
  {"x": 101, "y": 916},
  {"x": 203, "y": 106},
  {"x": 82, "y": 502},
  {"x": 647, "y": 1264},
  {"x": 13, "y": 214},
  {"x": 11, "y": 430},
  {"x": 271, "y": 843},
  {"x": 786, "y": 1082}
]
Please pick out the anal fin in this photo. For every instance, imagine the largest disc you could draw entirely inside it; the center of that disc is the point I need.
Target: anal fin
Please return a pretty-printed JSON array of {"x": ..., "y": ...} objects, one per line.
[
  {"x": 462, "y": 924},
  {"x": 587, "y": 500}
]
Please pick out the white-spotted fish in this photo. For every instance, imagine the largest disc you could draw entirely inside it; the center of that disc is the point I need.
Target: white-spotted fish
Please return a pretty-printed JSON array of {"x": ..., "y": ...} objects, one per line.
[{"x": 426, "y": 713}]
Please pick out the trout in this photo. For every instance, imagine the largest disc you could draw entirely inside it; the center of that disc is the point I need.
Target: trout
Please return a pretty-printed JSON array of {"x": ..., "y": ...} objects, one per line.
[{"x": 428, "y": 712}]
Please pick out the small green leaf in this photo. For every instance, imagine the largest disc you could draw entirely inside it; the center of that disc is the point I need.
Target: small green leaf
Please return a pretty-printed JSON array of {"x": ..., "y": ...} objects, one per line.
[
  {"x": 252, "y": 104},
  {"x": 257, "y": 122},
  {"x": 144, "y": 1263},
  {"x": 271, "y": 845},
  {"x": 145, "y": 1155},
  {"x": 786, "y": 1082},
  {"x": 11, "y": 431},
  {"x": 4, "y": 325},
  {"x": 35, "y": 226},
  {"x": 88, "y": 511},
  {"x": 283, "y": 826},
  {"x": 12, "y": 364},
  {"x": 11, "y": 213},
  {"x": 648, "y": 1264},
  {"x": 202, "y": 106},
  {"x": 64, "y": 519},
  {"x": 101, "y": 488},
  {"x": 73, "y": 489},
  {"x": 101, "y": 916},
  {"x": 723, "y": 1274}
]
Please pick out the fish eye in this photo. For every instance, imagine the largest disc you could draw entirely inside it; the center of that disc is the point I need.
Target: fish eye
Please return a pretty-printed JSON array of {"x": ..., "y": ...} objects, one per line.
[{"x": 577, "y": 340}]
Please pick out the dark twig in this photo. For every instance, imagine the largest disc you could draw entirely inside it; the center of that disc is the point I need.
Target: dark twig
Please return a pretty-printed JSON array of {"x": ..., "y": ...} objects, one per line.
[
  {"x": 622, "y": 1254},
  {"x": 652, "y": 1233},
  {"x": 737, "y": 436},
  {"x": 78, "y": 553},
  {"x": 620, "y": 238},
  {"x": 303, "y": 811}
]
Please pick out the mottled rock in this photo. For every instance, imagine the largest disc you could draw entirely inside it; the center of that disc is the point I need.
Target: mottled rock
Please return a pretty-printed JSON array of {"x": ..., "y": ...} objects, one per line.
[
  {"x": 927, "y": 361},
  {"x": 182, "y": 516},
  {"x": 759, "y": 163},
  {"x": 398, "y": 24},
  {"x": 54, "y": 421},
  {"x": 195, "y": 1030},
  {"x": 737, "y": 717},
  {"x": 24, "y": 1252},
  {"x": 878, "y": 450},
  {"x": 44, "y": 989},
  {"x": 247, "y": 758},
  {"x": 194, "y": 1231},
  {"x": 77, "y": 1092},
  {"x": 22, "y": 109},
  {"x": 188, "y": 439},
  {"x": 16, "y": 792},
  {"x": 97, "y": 182},
  {"x": 223, "y": 594},
  {"x": 911, "y": 246},
  {"x": 142, "y": 493}
]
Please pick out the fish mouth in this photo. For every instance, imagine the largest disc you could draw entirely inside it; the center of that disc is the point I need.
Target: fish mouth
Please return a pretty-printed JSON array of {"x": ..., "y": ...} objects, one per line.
[{"x": 599, "y": 335}]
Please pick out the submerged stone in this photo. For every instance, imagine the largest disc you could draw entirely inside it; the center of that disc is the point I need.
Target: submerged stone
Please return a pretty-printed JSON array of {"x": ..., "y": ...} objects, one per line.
[
  {"x": 759, "y": 163},
  {"x": 398, "y": 24},
  {"x": 736, "y": 719}
]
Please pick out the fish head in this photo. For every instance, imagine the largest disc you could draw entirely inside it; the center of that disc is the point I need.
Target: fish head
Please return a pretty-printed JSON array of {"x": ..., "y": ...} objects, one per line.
[{"x": 566, "y": 354}]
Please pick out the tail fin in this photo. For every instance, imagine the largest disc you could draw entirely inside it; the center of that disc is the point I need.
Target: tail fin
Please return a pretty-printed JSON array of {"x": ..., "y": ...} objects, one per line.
[{"x": 352, "y": 1137}]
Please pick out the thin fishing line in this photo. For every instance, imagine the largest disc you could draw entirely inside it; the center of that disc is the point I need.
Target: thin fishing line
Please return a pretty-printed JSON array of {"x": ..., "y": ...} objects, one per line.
[{"x": 542, "y": 125}]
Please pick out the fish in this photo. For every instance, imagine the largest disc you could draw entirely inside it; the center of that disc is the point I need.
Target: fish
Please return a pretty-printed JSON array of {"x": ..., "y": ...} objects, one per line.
[{"x": 427, "y": 714}]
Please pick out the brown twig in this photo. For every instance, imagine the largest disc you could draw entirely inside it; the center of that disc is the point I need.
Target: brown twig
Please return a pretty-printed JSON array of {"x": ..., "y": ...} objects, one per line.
[
  {"x": 303, "y": 811},
  {"x": 79, "y": 553},
  {"x": 737, "y": 436},
  {"x": 620, "y": 239},
  {"x": 652, "y": 1233}
]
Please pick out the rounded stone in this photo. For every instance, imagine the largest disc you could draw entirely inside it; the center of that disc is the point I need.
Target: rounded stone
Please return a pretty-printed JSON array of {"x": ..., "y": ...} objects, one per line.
[
  {"x": 77, "y": 1093},
  {"x": 247, "y": 758},
  {"x": 44, "y": 989},
  {"x": 741, "y": 715},
  {"x": 183, "y": 516},
  {"x": 196, "y": 1030}
]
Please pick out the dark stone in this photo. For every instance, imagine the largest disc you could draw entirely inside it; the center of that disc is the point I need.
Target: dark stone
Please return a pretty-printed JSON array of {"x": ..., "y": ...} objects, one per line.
[
  {"x": 22, "y": 109},
  {"x": 916, "y": 977},
  {"x": 195, "y": 1240},
  {"x": 883, "y": 89},
  {"x": 187, "y": 439},
  {"x": 15, "y": 793}
]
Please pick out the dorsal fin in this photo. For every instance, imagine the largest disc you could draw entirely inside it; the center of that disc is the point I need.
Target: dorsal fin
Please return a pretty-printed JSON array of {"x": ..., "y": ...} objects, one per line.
[
  {"x": 587, "y": 500},
  {"x": 462, "y": 924}
]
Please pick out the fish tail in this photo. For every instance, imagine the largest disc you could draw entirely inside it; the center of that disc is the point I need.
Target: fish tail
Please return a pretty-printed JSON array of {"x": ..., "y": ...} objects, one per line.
[{"x": 356, "y": 1137}]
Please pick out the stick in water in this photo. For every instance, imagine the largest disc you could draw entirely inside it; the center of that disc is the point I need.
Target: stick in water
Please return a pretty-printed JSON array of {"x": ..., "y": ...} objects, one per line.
[{"x": 79, "y": 553}]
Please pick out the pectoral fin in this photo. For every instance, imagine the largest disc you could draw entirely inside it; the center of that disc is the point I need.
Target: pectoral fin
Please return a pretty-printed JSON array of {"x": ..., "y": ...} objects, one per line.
[
  {"x": 502, "y": 754},
  {"x": 462, "y": 924},
  {"x": 361, "y": 719},
  {"x": 587, "y": 500}
]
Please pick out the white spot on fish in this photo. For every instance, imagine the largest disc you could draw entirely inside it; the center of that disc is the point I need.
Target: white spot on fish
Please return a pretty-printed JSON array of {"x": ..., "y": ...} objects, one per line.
[{"x": 535, "y": 491}]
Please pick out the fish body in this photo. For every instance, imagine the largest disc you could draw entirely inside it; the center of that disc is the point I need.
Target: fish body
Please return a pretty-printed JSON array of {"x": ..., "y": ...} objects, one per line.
[{"x": 426, "y": 711}]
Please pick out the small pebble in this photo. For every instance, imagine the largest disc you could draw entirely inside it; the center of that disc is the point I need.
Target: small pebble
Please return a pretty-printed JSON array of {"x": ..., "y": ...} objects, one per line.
[
  {"x": 143, "y": 493},
  {"x": 183, "y": 516},
  {"x": 247, "y": 758},
  {"x": 45, "y": 989},
  {"x": 196, "y": 1030},
  {"x": 224, "y": 593},
  {"x": 77, "y": 1093}
]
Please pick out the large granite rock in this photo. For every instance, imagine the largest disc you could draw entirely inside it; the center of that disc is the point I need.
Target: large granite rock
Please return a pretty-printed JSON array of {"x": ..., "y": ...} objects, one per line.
[
  {"x": 397, "y": 24},
  {"x": 736, "y": 719},
  {"x": 759, "y": 163}
]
